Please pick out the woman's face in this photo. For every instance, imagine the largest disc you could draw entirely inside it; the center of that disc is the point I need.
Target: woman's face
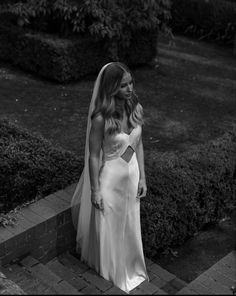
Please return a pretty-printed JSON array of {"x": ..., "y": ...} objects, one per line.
[{"x": 126, "y": 87}]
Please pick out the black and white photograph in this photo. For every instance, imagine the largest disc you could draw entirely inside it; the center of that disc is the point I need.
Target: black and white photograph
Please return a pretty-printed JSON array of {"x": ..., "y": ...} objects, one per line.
[{"x": 117, "y": 147}]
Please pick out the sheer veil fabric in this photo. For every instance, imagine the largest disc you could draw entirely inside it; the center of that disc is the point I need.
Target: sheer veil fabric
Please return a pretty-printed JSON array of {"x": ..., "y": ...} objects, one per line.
[{"x": 81, "y": 201}]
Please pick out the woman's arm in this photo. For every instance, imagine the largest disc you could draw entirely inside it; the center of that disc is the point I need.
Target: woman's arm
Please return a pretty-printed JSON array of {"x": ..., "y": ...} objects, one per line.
[
  {"x": 142, "y": 187},
  {"x": 95, "y": 145}
]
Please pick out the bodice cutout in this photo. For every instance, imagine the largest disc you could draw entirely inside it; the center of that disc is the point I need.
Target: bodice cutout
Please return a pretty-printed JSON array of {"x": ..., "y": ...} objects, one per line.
[{"x": 115, "y": 145}]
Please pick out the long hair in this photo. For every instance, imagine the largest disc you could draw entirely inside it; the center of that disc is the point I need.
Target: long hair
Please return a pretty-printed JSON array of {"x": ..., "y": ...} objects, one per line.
[{"x": 105, "y": 103}]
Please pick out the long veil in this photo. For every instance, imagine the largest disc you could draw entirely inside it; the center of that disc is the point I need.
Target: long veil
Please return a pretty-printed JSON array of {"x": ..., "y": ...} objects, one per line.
[{"x": 81, "y": 200}]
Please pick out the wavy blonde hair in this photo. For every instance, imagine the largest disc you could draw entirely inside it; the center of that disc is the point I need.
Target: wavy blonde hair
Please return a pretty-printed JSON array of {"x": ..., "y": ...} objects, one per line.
[{"x": 105, "y": 102}]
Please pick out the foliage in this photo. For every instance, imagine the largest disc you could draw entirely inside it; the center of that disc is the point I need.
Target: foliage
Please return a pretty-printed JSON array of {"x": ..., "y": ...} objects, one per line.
[
  {"x": 205, "y": 19},
  {"x": 186, "y": 191},
  {"x": 31, "y": 167},
  {"x": 66, "y": 59},
  {"x": 113, "y": 20}
]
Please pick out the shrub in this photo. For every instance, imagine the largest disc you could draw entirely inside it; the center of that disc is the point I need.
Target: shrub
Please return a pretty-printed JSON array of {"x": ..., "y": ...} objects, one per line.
[
  {"x": 205, "y": 19},
  {"x": 69, "y": 59},
  {"x": 31, "y": 167},
  {"x": 115, "y": 21},
  {"x": 186, "y": 191}
]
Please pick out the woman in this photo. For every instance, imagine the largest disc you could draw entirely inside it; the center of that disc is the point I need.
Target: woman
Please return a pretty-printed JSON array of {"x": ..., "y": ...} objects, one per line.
[{"x": 106, "y": 202}]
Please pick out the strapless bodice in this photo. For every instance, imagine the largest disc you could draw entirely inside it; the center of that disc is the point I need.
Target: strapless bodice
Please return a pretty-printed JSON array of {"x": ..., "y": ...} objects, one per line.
[{"x": 115, "y": 145}]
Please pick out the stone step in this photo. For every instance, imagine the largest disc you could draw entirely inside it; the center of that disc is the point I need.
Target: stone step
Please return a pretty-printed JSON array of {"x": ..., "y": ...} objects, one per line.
[
  {"x": 66, "y": 274},
  {"x": 25, "y": 280},
  {"x": 48, "y": 277},
  {"x": 69, "y": 267},
  {"x": 35, "y": 278}
]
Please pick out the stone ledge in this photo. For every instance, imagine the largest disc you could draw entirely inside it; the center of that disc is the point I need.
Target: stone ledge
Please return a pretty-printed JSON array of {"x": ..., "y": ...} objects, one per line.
[{"x": 43, "y": 229}]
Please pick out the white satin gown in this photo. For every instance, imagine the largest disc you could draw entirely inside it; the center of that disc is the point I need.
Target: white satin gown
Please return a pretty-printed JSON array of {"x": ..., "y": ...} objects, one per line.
[{"x": 115, "y": 244}]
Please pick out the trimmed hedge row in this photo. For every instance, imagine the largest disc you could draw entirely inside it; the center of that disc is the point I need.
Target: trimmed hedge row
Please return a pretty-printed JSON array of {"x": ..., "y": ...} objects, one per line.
[
  {"x": 186, "y": 191},
  {"x": 65, "y": 60},
  {"x": 31, "y": 167},
  {"x": 209, "y": 20}
]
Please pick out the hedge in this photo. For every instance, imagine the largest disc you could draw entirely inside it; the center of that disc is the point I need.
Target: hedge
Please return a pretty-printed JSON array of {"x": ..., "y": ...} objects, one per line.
[
  {"x": 187, "y": 190},
  {"x": 31, "y": 167},
  {"x": 66, "y": 60},
  {"x": 209, "y": 20}
]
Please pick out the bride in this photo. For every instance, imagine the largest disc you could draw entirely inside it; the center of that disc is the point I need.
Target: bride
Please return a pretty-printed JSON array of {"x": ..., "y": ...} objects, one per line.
[{"x": 106, "y": 202}]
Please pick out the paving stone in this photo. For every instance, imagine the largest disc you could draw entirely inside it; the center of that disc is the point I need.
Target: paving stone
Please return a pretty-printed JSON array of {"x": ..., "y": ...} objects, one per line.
[
  {"x": 158, "y": 282},
  {"x": 229, "y": 261},
  {"x": 24, "y": 223},
  {"x": 27, "y": 281},
  {"x": 64, "y": 195},
  {"x": 46, "y": 291},
  {"x": 33, "y": 286},
  {"x": 16, "y": 229},
  {"x": 148, "y": 288},
  {"x": 178, "y": 283},
  {"x": 215, "y": 287},
  {"x": 96, "y": 280},
  {"x": 226, "y": 271},
  {"x": 231, "y": 255},
  {"x": 151, "y": 276},
  {"x": 160, "y": 292},
  {"x": 230, "y": 258},
  {"x": 42, "y": 208},
  {"x": 29, "y": 261},
  {"x": 64, "y": 288},
  {"x": 57, "y": 203},
  {"x": 44, "y": 274},
  {"x": 169, "y": 289},
  {"x": 72, "y": 262},
  {"x": 221, "y": 278},
  {"x": 66, "y": 274},
  {"x": 31, "y": 216},
  {"x": 162, "y": 273},
  {"x": 186, "y": 291},
  {"x": 5, "y": 234},
  {"x": 199, "y": 288},
  {"x": 136, "y": 291},
  {"x": 115, "y": 291},
  {"x": 90, "y": 290}
]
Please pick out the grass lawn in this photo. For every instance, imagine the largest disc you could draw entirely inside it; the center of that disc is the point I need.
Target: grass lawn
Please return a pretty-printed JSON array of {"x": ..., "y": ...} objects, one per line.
[{"x": 188, "y": 99}]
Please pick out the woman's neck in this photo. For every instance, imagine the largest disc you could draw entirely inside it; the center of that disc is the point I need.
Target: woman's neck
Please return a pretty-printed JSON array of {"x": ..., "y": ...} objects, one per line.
[{"x": 120, "y": 104}]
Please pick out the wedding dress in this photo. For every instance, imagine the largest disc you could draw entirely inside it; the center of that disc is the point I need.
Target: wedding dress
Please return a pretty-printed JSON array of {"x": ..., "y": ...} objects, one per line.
[{"x": 110, "y": 240}]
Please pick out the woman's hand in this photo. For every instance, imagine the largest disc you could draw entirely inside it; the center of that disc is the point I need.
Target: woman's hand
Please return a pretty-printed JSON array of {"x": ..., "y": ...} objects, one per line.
[
  {"x": 142, "y": 188},
  {"x": 97, "y": 200}
]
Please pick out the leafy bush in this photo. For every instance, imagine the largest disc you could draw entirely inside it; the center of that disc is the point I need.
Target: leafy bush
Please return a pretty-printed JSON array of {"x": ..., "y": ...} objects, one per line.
[
  {"x": 31, "y": 167},
  {"x": 115, "y": 21},
  {"x": 186, "y": 191},
  {"x": 205, "y": 19},
  {"x": 69, "y": 59}
]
